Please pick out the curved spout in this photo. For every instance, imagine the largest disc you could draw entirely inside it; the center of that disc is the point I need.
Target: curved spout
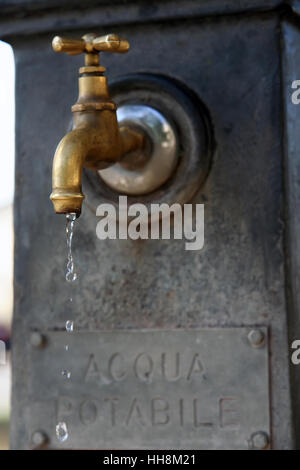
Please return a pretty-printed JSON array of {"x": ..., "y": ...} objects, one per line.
[
  {"x": 85, "y": 146},
  {"x": 68, "y": 161}
]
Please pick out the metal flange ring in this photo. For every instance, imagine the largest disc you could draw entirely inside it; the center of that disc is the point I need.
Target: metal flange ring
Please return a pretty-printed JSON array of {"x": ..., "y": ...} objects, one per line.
[
  {"x": 156, "y": 167},
  {"x": 188, "y": 168}
]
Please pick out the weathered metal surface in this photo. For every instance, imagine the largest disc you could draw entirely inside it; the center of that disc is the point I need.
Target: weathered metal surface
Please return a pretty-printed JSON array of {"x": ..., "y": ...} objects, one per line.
[
  {"x": 42, "y": 16},
  {"x": 9, "y": 6},
  {"x": 291, "y": 72},
  {"x": 159, "y": 389},
  {"x": 239, "y": 276}
]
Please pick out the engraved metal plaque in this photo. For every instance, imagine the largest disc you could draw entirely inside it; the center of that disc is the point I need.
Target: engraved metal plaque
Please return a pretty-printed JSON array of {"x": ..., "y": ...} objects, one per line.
[{"x": 151, "y": 389}]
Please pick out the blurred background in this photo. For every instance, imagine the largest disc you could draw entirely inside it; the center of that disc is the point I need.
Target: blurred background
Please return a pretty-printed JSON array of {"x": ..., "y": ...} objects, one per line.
[{"x": 6, "y": 227}]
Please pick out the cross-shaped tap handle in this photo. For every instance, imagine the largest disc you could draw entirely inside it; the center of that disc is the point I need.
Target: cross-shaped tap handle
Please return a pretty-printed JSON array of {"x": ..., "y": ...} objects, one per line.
[{"x": 90, "y": 44}]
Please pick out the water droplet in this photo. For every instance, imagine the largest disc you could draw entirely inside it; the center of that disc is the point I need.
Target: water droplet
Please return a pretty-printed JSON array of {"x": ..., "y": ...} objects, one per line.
[
  {"x": 66, "y": 347},
  {"x": 71, "y": 276},
  {"x": 62, "y": 431},
  {"x": 69, "y": 325},
  {"x": 66, "y": 374}
]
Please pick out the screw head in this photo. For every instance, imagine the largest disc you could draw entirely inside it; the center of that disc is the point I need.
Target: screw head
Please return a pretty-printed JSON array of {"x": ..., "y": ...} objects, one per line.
[
  {"x": 256, "y": 338},
  {"x": 259, "y": 440},
  {"x": 39, "y": 438},
  {"x": 37, "y": 340}
]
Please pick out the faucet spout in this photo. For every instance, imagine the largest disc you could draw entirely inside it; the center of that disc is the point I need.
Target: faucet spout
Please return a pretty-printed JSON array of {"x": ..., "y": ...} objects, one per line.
[
  {"x": 68, "y": 162},
  {"x": 86, "y": 146}
]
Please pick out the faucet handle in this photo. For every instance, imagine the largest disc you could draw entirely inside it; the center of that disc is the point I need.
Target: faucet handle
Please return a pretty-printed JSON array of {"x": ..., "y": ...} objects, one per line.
[
  {"x": 90, "y": 43},
  {"x": 110, "y": 43}
]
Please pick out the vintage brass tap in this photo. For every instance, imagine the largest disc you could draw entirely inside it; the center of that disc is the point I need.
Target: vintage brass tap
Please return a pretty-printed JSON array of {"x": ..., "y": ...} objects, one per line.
[{"x": 96, "y": 140}]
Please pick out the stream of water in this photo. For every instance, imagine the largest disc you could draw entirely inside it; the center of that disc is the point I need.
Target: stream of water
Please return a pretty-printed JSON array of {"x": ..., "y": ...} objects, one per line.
[{"x": 62, "y": 432}]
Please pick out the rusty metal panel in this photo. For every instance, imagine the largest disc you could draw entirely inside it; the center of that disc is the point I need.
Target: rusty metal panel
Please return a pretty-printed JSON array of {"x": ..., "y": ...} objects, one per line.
[{"x": 163, "y": 389}]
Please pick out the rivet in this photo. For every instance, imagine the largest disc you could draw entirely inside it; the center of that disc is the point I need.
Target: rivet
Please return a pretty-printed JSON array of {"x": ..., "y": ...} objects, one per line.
[
  {"x": 259, "y": 440},
  {"x": 37, "y": 340},
  {"x": 39, "y": 438},
  {"x": 256, "y": 338}
]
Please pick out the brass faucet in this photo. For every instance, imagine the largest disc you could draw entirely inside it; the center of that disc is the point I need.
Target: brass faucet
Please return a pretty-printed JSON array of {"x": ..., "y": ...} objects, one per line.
[{"x": 96, "y": 140}]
